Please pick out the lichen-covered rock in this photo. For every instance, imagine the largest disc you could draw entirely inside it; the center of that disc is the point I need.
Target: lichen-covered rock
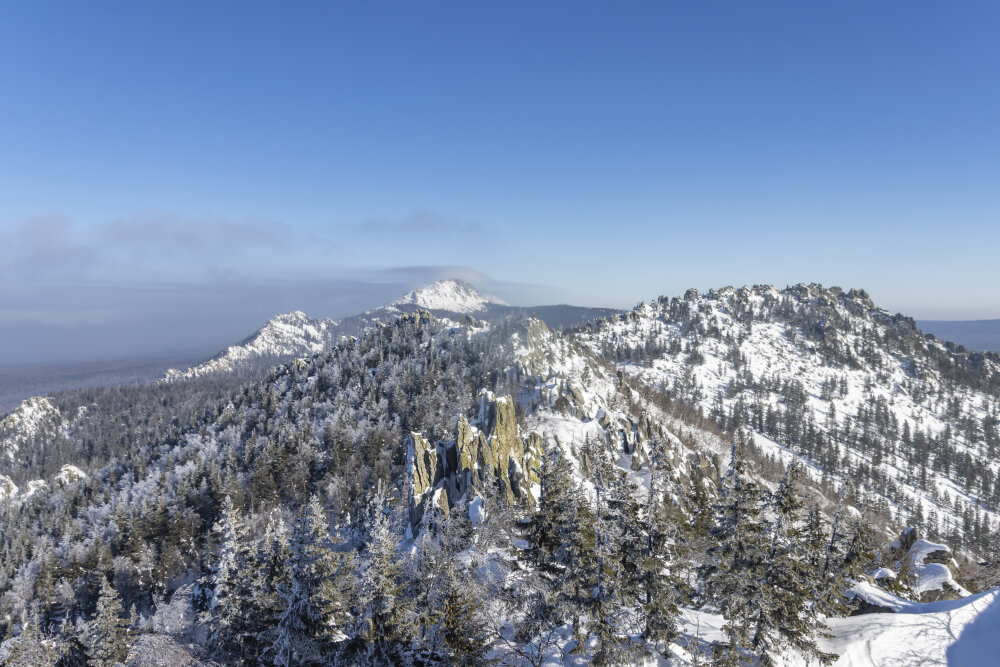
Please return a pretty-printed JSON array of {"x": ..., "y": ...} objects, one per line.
[
  {"x": 441, "y": 500},
  {"x": 466, "y": 445},
  {"x": 422, "y": 461},
  {"x": 69, "y": 474},
  {"x": 533, "y": 456},
  {"x": 488, "y": 454},
  {"x": 577, "y": 399},
  {"x": 504, "y": 443}
]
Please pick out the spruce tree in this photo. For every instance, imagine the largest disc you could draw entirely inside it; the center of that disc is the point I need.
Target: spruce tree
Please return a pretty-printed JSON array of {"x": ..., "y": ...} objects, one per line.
[
  {"x": 557, "y": 497},
  {"x": 232, "y": 631},
  {"x": 826, "y": 563},
  {"x": 32, "y": 647},
  {"x": 615, "y": 526},
  {"x": 860, "y": 552},
  {"x": 305, "y": 628},
  {"x": 658, "y": 561},
  {"x": 271, "y": 573},
  {"x": 109, "y": 635},
  {"x": 562, "y": 544},
  {"x": 786, "y": 613},
  {"x": 462, "y": 628},
  {"x": 379, "y": 634},
  {"x": 736, "y": 575}
]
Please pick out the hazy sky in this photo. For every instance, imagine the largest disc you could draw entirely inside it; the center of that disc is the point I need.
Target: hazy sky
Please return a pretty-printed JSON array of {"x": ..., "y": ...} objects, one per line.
[{"x": 174, "y": 173}]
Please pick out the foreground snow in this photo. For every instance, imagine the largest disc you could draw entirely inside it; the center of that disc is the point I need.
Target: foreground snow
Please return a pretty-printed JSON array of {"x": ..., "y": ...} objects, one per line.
[{"x": 957, "y": 633}]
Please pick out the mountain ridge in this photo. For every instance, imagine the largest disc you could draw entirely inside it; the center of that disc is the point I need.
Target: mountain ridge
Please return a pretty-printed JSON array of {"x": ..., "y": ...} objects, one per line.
[{"x": 295, "y": 334}]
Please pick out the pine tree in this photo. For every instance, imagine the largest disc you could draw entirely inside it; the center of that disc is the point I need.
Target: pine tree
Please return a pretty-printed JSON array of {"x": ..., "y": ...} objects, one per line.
[
  {"x": 109, "y": 635},
  {"x": 305, "y": 628}
]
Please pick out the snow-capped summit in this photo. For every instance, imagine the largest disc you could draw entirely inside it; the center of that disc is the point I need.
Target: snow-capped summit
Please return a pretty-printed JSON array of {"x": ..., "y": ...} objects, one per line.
[{"x": 453, "y": 296}]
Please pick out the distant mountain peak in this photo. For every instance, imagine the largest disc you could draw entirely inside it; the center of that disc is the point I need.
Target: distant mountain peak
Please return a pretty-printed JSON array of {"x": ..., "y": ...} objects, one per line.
[{"x": 452, "y": 295}]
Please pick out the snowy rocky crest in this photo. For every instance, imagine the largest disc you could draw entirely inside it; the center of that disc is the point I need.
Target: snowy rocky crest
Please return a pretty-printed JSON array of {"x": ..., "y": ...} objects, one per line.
[
  {"x": 825, "y": 376},
  {"x": 289, "y": 335},
  {"x": 66, "y": 476},
  {"x": 31, "y": 421},
  {"x": 481, "y": 408}
]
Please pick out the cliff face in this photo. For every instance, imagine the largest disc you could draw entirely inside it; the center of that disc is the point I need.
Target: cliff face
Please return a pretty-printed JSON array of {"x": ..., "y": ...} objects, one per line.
[{"x": 488, "y": 453}]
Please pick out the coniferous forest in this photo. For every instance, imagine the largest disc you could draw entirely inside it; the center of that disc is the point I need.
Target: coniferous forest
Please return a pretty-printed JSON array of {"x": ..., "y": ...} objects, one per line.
[{"x": 437, "y": 491}]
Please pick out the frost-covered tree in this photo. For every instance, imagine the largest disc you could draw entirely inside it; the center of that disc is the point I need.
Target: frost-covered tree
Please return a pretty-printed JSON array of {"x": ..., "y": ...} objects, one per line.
[
  {"x": 658, "y": 561},
  {"x": 563, "y": 540},
  {"x": 557, "y": 498},
  {"x": 312, "y": 606},
  {"x": 462, "y": 628},
  {"x": 109, "y": 635},
  {"x": 32, "y": 647},
  {"x": 232, "y": 627},
  {"x": 735, "y": 582},
  {"x": 379, "y": 633},
  {"x": 616, "y": 529}
]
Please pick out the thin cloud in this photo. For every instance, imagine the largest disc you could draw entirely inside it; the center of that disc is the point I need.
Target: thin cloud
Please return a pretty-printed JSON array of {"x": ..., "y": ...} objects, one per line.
[
  {"x": 45, "y": 244},
  {"x": 419, "y": 274},
  {"x": 193, "y": 234},
  {"x": 419, "y": 223}
]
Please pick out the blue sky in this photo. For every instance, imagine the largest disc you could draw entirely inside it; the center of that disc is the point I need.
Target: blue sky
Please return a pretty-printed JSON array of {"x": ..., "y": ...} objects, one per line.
[{"x": 172, "y": 174}]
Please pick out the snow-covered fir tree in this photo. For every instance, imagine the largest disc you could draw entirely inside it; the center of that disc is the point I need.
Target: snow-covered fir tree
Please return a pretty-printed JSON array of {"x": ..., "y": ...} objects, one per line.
[
  {"x": 109, "y": 635},
  {"x": 33, "y": 647},
  {"x": 234, "y": 633},
  {"x": 659, "y": 562},
  {"x": 312, "y": 601},
  {"x": 735, "y": 582},
  {"x": 380, "y": 631}
]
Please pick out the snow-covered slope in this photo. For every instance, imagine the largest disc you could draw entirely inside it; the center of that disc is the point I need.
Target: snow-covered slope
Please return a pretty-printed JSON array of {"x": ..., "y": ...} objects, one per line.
[
  {"x": 26, "y": 436},
  {"x": 285, "y": 336},
  {"x": 957, "y": 633},
  {"x": 825, "y": 376},
  {"x": 31, "y": 420}
]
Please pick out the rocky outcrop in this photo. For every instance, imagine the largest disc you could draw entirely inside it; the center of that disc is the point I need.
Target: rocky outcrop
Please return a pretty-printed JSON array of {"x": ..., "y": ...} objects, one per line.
[
  {"x": 488, "y": 456},
  {"x": 929, "y": 569},
  {"x": 30, "y": 426},
  {"x": 69, "y": 474}
]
